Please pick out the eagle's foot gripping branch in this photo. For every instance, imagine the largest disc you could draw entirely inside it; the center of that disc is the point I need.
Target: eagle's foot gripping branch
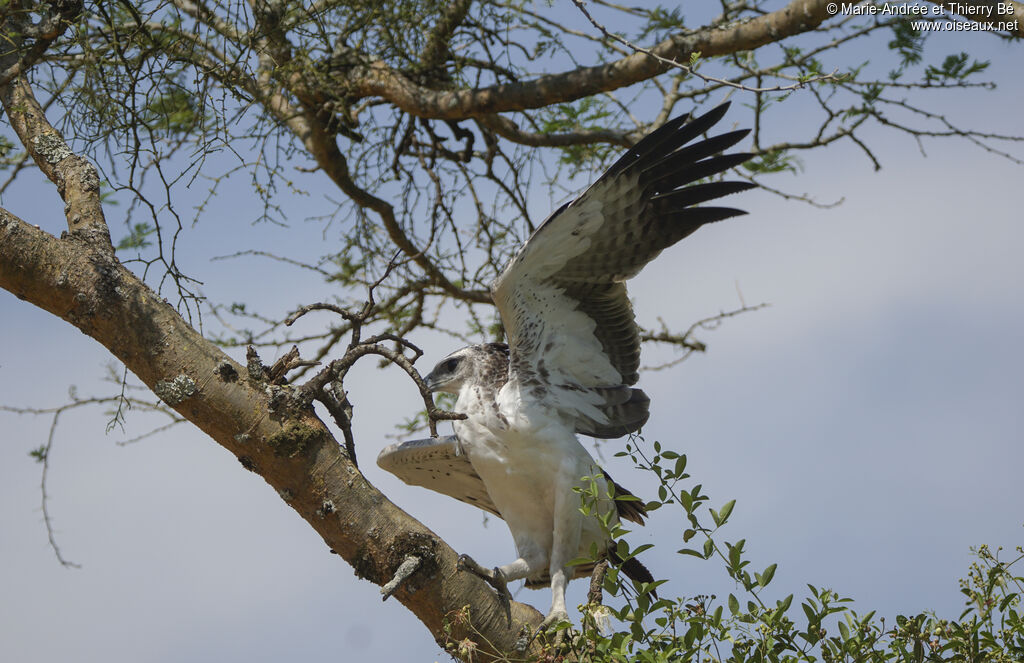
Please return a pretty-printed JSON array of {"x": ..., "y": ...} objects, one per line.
[
  {"x": 552, "y": 621},
  {"x": 493, "y": 577}
]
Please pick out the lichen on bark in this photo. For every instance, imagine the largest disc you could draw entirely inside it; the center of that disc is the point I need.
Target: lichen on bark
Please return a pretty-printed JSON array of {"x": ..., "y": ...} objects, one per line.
[
  {"x": 175, "y": 391},
  {"x": 51, "y": 147}
]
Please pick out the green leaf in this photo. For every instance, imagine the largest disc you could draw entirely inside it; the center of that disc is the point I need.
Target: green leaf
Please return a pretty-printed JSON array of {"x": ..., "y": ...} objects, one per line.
[
  {"x": 735, "y": 552},
  {"x": 812, "y": 617},
  {"x": 680, "y": 466},
  {"x": 726, "y": 510},
  {"x": 138, "y": 237},
  {"x": 907, "y": 41},
  {"x": 767, "y": 576},
  {"x": 954, "y": 68},
  {"x": 776, "y": 161}
]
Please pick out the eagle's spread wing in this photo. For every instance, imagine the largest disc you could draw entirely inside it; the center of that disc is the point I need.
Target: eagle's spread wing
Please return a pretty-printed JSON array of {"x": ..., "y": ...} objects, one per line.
[
  {"x": 562, "y": 297},
  {"x": 437, "y": 464}
]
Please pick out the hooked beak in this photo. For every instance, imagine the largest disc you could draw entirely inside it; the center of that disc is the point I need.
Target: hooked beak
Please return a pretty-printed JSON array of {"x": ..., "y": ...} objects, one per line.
[{"x": 432, "y": 382}]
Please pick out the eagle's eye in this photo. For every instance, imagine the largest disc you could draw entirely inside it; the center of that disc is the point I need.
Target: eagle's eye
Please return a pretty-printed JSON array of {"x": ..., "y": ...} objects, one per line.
[{"x": 451, "y": 365}]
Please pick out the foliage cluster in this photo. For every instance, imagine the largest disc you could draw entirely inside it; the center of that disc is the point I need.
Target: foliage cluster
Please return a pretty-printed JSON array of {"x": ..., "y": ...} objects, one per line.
[{"x": 744, "y": 627}]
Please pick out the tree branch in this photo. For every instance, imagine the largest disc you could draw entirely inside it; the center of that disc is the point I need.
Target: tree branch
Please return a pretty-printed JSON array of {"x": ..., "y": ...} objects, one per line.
[
  {"x": 692, "y": 69},
  {"x": 380, "y": 80},
  {"x": 436, "y": 49},
  {"x": 508, "y": 130},
  {"x": 77, "y": 180},
  {"x": 16, "y": 27}
]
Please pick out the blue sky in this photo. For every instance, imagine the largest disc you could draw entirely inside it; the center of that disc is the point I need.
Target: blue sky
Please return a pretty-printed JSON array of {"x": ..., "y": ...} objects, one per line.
[{"x": 868, "y": 423}]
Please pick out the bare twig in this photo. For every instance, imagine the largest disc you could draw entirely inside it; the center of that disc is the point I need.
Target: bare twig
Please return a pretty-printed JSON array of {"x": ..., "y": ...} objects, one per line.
[
  {"x": 686, "y": 340},
  {"x": 43, "y": 453}
]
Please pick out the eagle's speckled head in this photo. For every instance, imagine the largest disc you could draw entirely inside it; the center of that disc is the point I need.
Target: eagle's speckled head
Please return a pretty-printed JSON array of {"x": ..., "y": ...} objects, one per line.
[{"x": 486, "y": 364}]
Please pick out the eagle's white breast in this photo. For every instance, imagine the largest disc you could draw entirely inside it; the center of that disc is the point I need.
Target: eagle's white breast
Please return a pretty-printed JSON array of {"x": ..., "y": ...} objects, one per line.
[{"x": 522, "y": 449}]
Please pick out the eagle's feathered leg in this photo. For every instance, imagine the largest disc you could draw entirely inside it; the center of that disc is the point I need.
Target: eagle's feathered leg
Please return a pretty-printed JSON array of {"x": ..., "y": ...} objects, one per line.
[{"x": 567, "y": 529}]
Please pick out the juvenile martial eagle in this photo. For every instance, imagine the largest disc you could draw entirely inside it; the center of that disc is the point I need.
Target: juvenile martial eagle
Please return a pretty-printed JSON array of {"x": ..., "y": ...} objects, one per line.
[{"x": 572, "y": 357}]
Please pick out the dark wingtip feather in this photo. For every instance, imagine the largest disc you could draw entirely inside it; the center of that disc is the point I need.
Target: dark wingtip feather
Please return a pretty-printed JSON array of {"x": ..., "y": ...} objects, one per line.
[
  {"x": 678, "y": 160},
  {"x": 702, "y": 193},
  {"x": 702, "y": 123},
  {"x": 652, "y": 139},
  {"x": 623, "y": 418},
  {"x": 707, "y": 214},
  {"x": 668, "y": 137},
  {"x": 686, "y": 172}
]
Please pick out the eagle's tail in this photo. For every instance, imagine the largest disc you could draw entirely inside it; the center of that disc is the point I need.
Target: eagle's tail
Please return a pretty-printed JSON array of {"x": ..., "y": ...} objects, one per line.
[{"x": 632, "y": 567}]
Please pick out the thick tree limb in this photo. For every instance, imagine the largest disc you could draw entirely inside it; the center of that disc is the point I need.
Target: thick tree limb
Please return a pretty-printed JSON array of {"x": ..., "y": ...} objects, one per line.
[
  {"x": 508, "y": 130},
  {"x": 82, "y": 282},
  {"x": 377, "y": 79},
  {"x": 76, "y": 178},
  {"x": 292, "y": 451}
]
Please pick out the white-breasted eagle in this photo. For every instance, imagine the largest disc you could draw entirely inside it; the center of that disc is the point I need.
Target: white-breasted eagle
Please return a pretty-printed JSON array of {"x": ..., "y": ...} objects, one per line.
[{"x": 571, "y": 361}]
